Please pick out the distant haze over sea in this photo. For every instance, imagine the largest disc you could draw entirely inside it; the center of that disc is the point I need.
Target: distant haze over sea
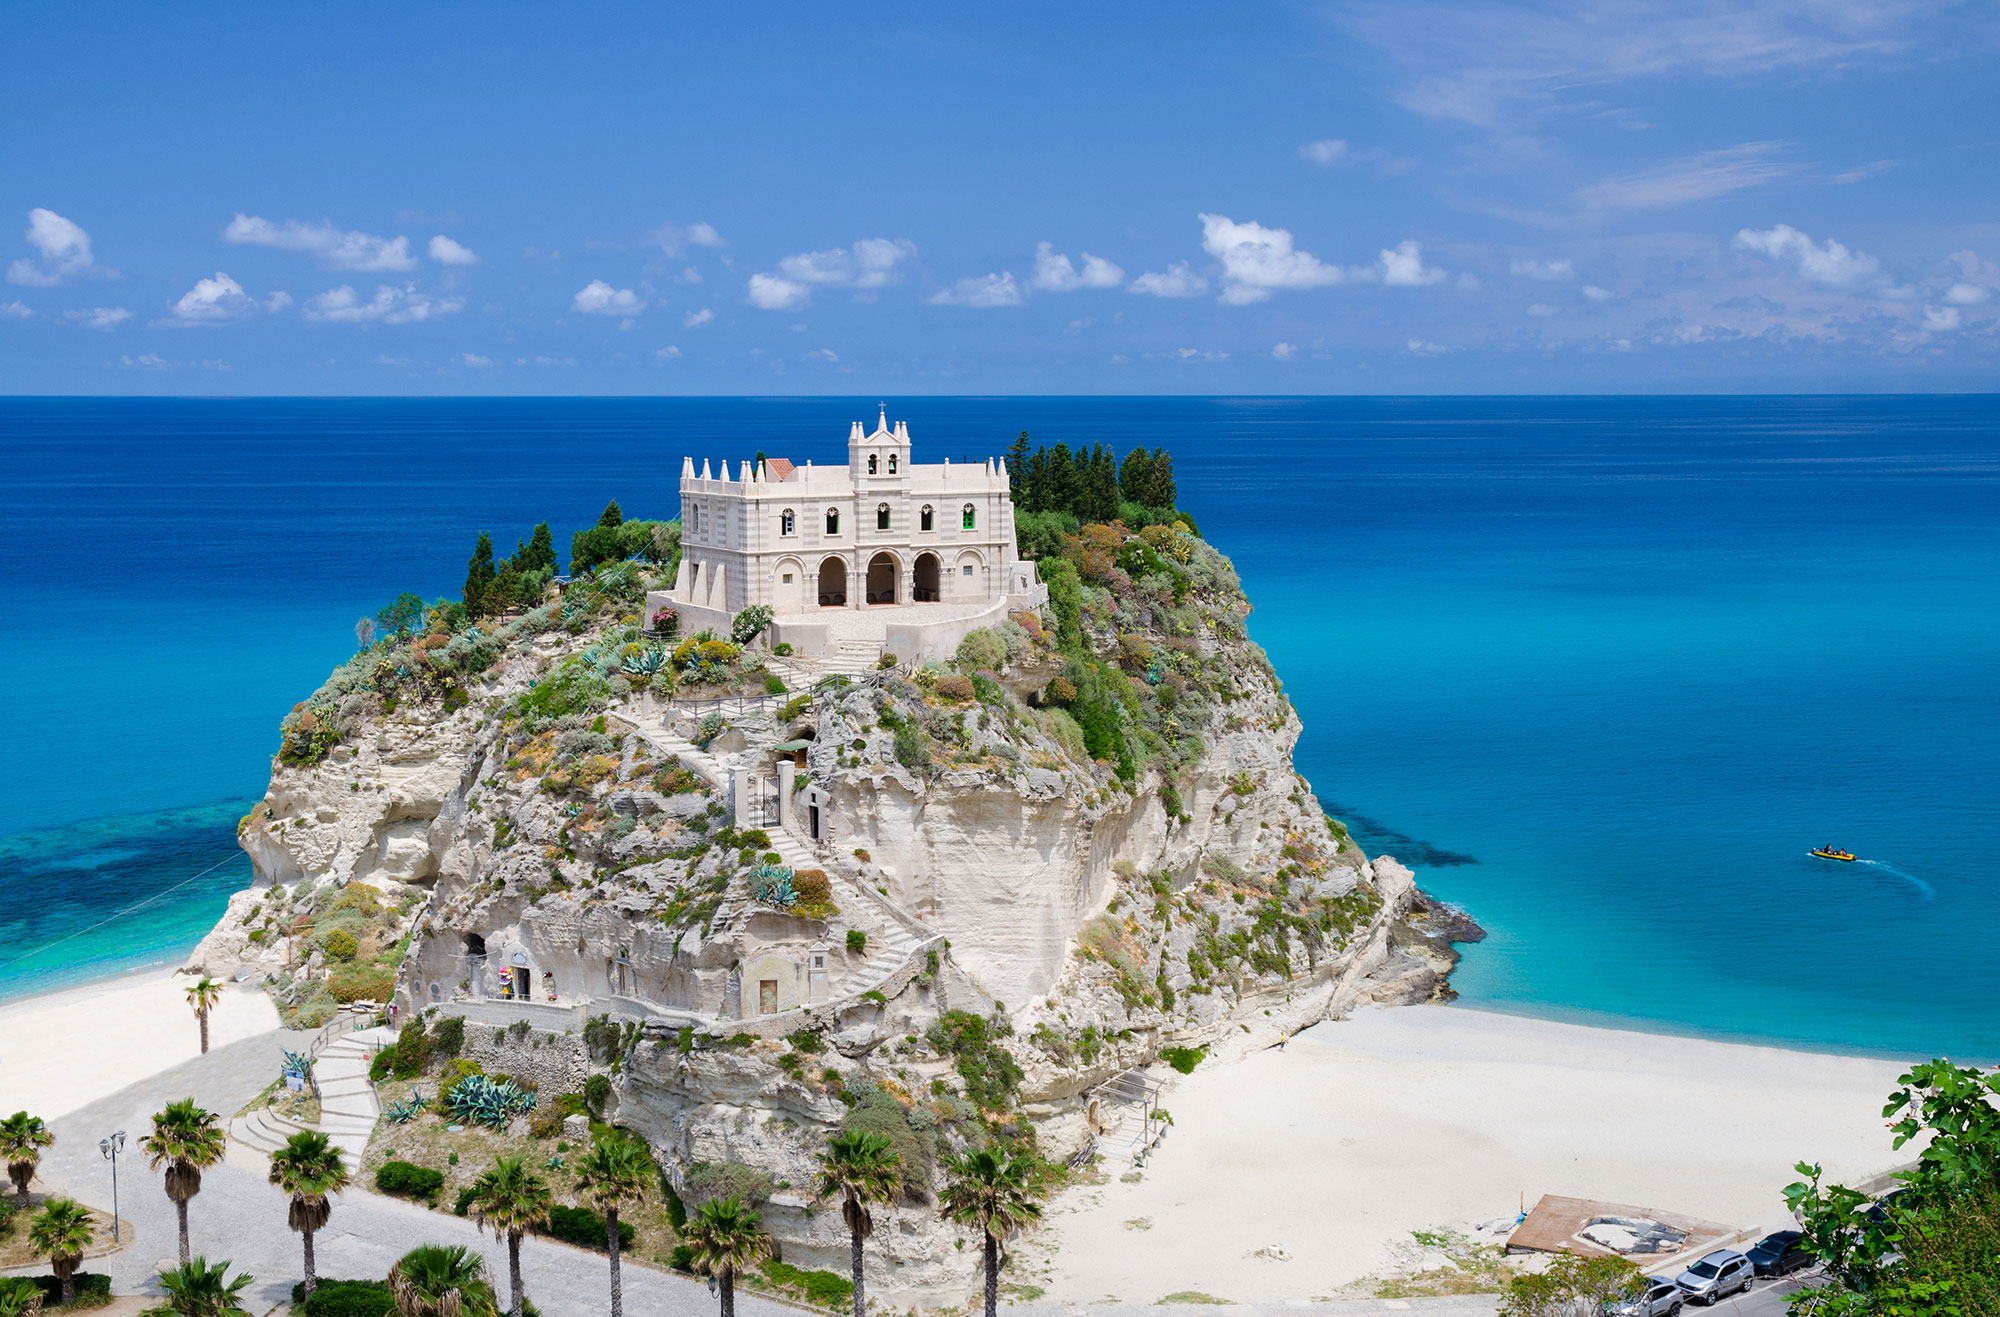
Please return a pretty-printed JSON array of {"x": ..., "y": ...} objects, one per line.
[{"x": 1602, "y": 669}]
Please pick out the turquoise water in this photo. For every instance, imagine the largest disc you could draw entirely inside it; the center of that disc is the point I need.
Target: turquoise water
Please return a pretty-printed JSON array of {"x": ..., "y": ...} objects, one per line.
[{"x": 1601, "y": 669}]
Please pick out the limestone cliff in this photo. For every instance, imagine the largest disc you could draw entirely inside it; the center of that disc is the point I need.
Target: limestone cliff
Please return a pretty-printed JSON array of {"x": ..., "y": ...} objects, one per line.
[{"x": 1074, "y": 846}]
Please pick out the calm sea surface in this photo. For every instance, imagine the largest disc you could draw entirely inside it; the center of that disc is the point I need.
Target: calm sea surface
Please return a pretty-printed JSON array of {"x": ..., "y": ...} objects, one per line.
[{"x": 1602, "y": 670}]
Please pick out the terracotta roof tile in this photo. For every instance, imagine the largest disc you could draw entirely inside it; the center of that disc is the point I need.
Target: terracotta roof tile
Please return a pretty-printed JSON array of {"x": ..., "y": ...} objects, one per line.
[{"x": 778, "y": 468}]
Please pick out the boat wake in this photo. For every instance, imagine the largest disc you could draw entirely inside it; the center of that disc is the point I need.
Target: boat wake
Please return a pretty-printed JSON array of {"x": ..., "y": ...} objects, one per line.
[{"x": 1910, "y": 878}]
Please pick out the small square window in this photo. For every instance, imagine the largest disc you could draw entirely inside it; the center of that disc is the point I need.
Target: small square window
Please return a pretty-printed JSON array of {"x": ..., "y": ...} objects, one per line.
[
  {"x": 788, "y": 578},
  {"x": 966, "y": 570}
]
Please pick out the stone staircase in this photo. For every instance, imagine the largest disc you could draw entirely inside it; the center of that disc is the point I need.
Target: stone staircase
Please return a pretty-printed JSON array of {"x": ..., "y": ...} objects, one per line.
[
  {"x": 348, "y": 1105},
  {"x": 854, "y": 658}
]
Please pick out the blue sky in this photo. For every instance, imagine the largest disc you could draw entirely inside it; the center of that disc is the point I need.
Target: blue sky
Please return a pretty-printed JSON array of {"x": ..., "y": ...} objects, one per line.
[{"x": 1418, "y": 197}]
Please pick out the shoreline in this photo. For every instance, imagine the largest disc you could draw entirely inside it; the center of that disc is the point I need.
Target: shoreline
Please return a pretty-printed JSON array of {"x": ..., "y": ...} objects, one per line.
[
  {"x": 63, "y": 1049},
  {"x": 1408, "y": 1118}
]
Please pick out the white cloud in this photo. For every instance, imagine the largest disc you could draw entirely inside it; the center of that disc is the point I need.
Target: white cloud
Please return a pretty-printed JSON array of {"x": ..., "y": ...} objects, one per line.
[
  {"x": 1596, "y": 294},
  {"x": 336, "y": 249},
  {"x": 668, "y": 353},
  {"x": 1528, "y": 267},
  {"x": 1197, "y": 354},
  {"x": 104, "y": 317},
  {"x": 598, "y": 298},
  {"x": 1938, "y": 319},
  {"x": 446, "y": 252},
  {"x": 389, "y": 306},
  {"x": 278, "y": 301},
  {"x": 1404, "y": 267},
  {"x": 63, "y": 252},
  {"x": 980, "y": 290},
  {"x": 1285, "y": 351},
  {"x": 211, "y": 302},
  {"x": 1329, "y": 151},
  {"x": 1967, "y": 294},
  {"x": 384, "y": 359},
  {"x": 1693, "y": 178},
  {"x": 696, "y": 319},
  {"x": 15, "y": 311},
  {"x": 150, "y": 360},
  {"x": 1257, "y": 261},
  {"x": 770, "y": 293},
  {"x": 1543, "y": 309},
  {"x": 869, "y": 264},
  {"x": 1829, "y": 264},
  {"x": 1424, "y": 348},
  {"x": 1055, "y": 274},
  {"x": 823, "y": 354},
  {"x": 673, "y": 239},
  {"x": 474, "y": 359},
  {"x": 1174, "y": 281}
]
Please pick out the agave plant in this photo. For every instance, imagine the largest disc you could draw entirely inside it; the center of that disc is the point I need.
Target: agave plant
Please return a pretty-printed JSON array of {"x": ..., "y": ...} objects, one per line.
[
  {"x": 646, "y": 663},
  {"x": 483, "y": 1100},
  {"x": 297, "y": 1064},
  {"x": 772, "y": 884},
  {"x": 402, "y": 1113}
]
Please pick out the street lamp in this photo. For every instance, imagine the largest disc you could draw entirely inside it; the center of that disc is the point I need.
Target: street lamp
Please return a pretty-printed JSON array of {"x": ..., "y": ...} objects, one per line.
[{"x": 111, "y": 1147}]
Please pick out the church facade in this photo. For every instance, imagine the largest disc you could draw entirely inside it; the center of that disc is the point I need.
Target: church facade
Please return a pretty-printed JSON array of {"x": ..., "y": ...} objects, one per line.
[{"x": 883, "y": 531}]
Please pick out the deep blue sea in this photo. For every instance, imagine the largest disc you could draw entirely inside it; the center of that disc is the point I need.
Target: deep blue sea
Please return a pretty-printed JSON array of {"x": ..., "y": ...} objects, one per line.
[{"x": 1601, "y": 669}]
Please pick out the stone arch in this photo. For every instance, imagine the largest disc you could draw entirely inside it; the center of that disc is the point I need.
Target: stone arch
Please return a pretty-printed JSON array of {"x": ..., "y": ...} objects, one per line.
[
  {"x": 788, "y": 587},
  {"x": 833, "y": 581},
  {"x": 968, "y": 569},
  {"x": 927, "y": 579},
  {"x": 883, "y": 571}
]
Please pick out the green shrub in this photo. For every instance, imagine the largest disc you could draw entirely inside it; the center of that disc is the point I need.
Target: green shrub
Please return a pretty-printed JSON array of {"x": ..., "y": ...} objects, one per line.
[
  {"x": 710, "y": 1180},
  {"x": 981, "y": 648},
  {"x": 822, "y": 1287},
  {"x": 857, "y": 941},
  {"x": 683, "y": 1257},
  {"x": 750, "y": 623},
  {"x": 774, "y": 685},
  {"x": 880, "y": 1113},
  {"x": 596, "y": 1092},
  {"x": 585, "y": 1228},
  {"x": 363, "y": 982},
  {"x": 344, "y": 1298},
  {"x": 93, "y": 1290},
  {"x": 677, "y": 1212},
  {"x": 991, "y": 1074},
  {"x": 547, "y": 1122},
  {"x": 413, "y": 1050},
  {"x": 342, "y": 945},
  {"x": 455, "y": 1073},
  {"x": 1183, "y": 1059},
  {"x": 793, "y": 708},
  {"x": 448, "y": 1036},
  {"x": 957, "y": 688},
  {"x": 382, "y": 1066},
  {"x": 409, "y": 1180}
]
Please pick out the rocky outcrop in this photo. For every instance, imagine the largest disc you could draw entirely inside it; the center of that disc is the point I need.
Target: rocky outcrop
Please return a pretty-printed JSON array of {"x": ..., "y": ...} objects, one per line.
[{"x": 1053, "y": 864}]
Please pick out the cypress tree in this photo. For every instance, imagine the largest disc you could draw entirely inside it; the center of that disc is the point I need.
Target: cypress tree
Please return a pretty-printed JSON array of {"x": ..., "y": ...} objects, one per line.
[
  {"x": 1102, "y": 485},
  {"x": 479, "y": 576},
  {"x": 612, "y": 516},
  {"x": 1161, "y": 492},
  {"x": 1017, "y": 470},
  {"x": 1059, "y": 480},
  {"x": 1135, "y": 477},
  {"x": 538, "y": 552}
]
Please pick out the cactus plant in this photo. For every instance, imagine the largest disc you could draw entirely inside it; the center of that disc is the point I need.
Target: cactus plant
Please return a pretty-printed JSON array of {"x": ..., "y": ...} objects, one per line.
[
  {"x": 402, "y": 1113},
  {"x": 772, "y": 884},
  {"x": 646, "y": 663},
  {"x": 482, "y": 1100}
]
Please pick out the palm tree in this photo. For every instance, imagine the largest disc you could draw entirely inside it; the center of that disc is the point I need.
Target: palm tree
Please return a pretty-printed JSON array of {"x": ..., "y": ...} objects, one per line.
[
  {"x": 61, "y": 1232},
  {"x": 510, "y": 1199},
  {"x": 22, "y": 1138},
  {"x": 309, "y": 1168},
  {"x": 20, "y": 1297},
  {"x": 995, "y": 1192},
  {"x": 725, "y": 1236},
  {"x": 617, "y": 1171},
  {"x": 203, "y": 996},
  {"x": 195, "y": 1289},
  {"x": 186, "y": 1140},
  {"x": 442, "y": 1280},
  {"x": 860, "y": 1168}
]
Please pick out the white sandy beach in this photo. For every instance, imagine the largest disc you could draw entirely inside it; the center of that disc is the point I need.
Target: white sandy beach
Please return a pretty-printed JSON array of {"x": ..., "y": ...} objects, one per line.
[
  {"x": 1404, "y": 1119},
  {"x": 63, "y": 1050}
]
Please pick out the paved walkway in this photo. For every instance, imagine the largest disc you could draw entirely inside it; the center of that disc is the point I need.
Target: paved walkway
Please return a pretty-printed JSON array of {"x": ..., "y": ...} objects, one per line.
[
  {"x": 1457, "y": 1305},
  {"x": 238, "y": 1215}
]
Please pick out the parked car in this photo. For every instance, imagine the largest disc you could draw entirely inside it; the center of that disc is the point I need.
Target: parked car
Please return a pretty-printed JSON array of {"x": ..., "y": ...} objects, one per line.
[
  {"x": 1717, "y": 1276},
  {"x": 1781, "y": 1254},
  {"x": 1662, "y": 1298}
]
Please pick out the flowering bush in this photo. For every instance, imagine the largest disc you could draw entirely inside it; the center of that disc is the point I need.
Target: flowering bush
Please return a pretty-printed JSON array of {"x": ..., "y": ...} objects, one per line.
[{"x": 666, "y": 621}]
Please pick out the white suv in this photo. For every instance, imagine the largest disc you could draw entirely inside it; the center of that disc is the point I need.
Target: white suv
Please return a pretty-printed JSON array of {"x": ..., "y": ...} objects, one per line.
[{"x": 1717, "y": 1276}]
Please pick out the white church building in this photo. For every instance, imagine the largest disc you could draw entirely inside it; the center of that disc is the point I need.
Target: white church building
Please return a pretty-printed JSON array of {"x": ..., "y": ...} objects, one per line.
[{"x": 914, "y": 554}]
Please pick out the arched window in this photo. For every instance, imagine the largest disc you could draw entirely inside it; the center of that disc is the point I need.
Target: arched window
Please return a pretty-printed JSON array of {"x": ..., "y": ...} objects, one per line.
[
  {"x": 871, "y": 464},
  {"x": 892, "y": 464},
  {"x": 833, "y": 521},
  {"x": 787, "y": 523},
  {"x": 925, "y": 518},
  {"x": 881, "y": 516},
  {"x": 966, "y": 518}
]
